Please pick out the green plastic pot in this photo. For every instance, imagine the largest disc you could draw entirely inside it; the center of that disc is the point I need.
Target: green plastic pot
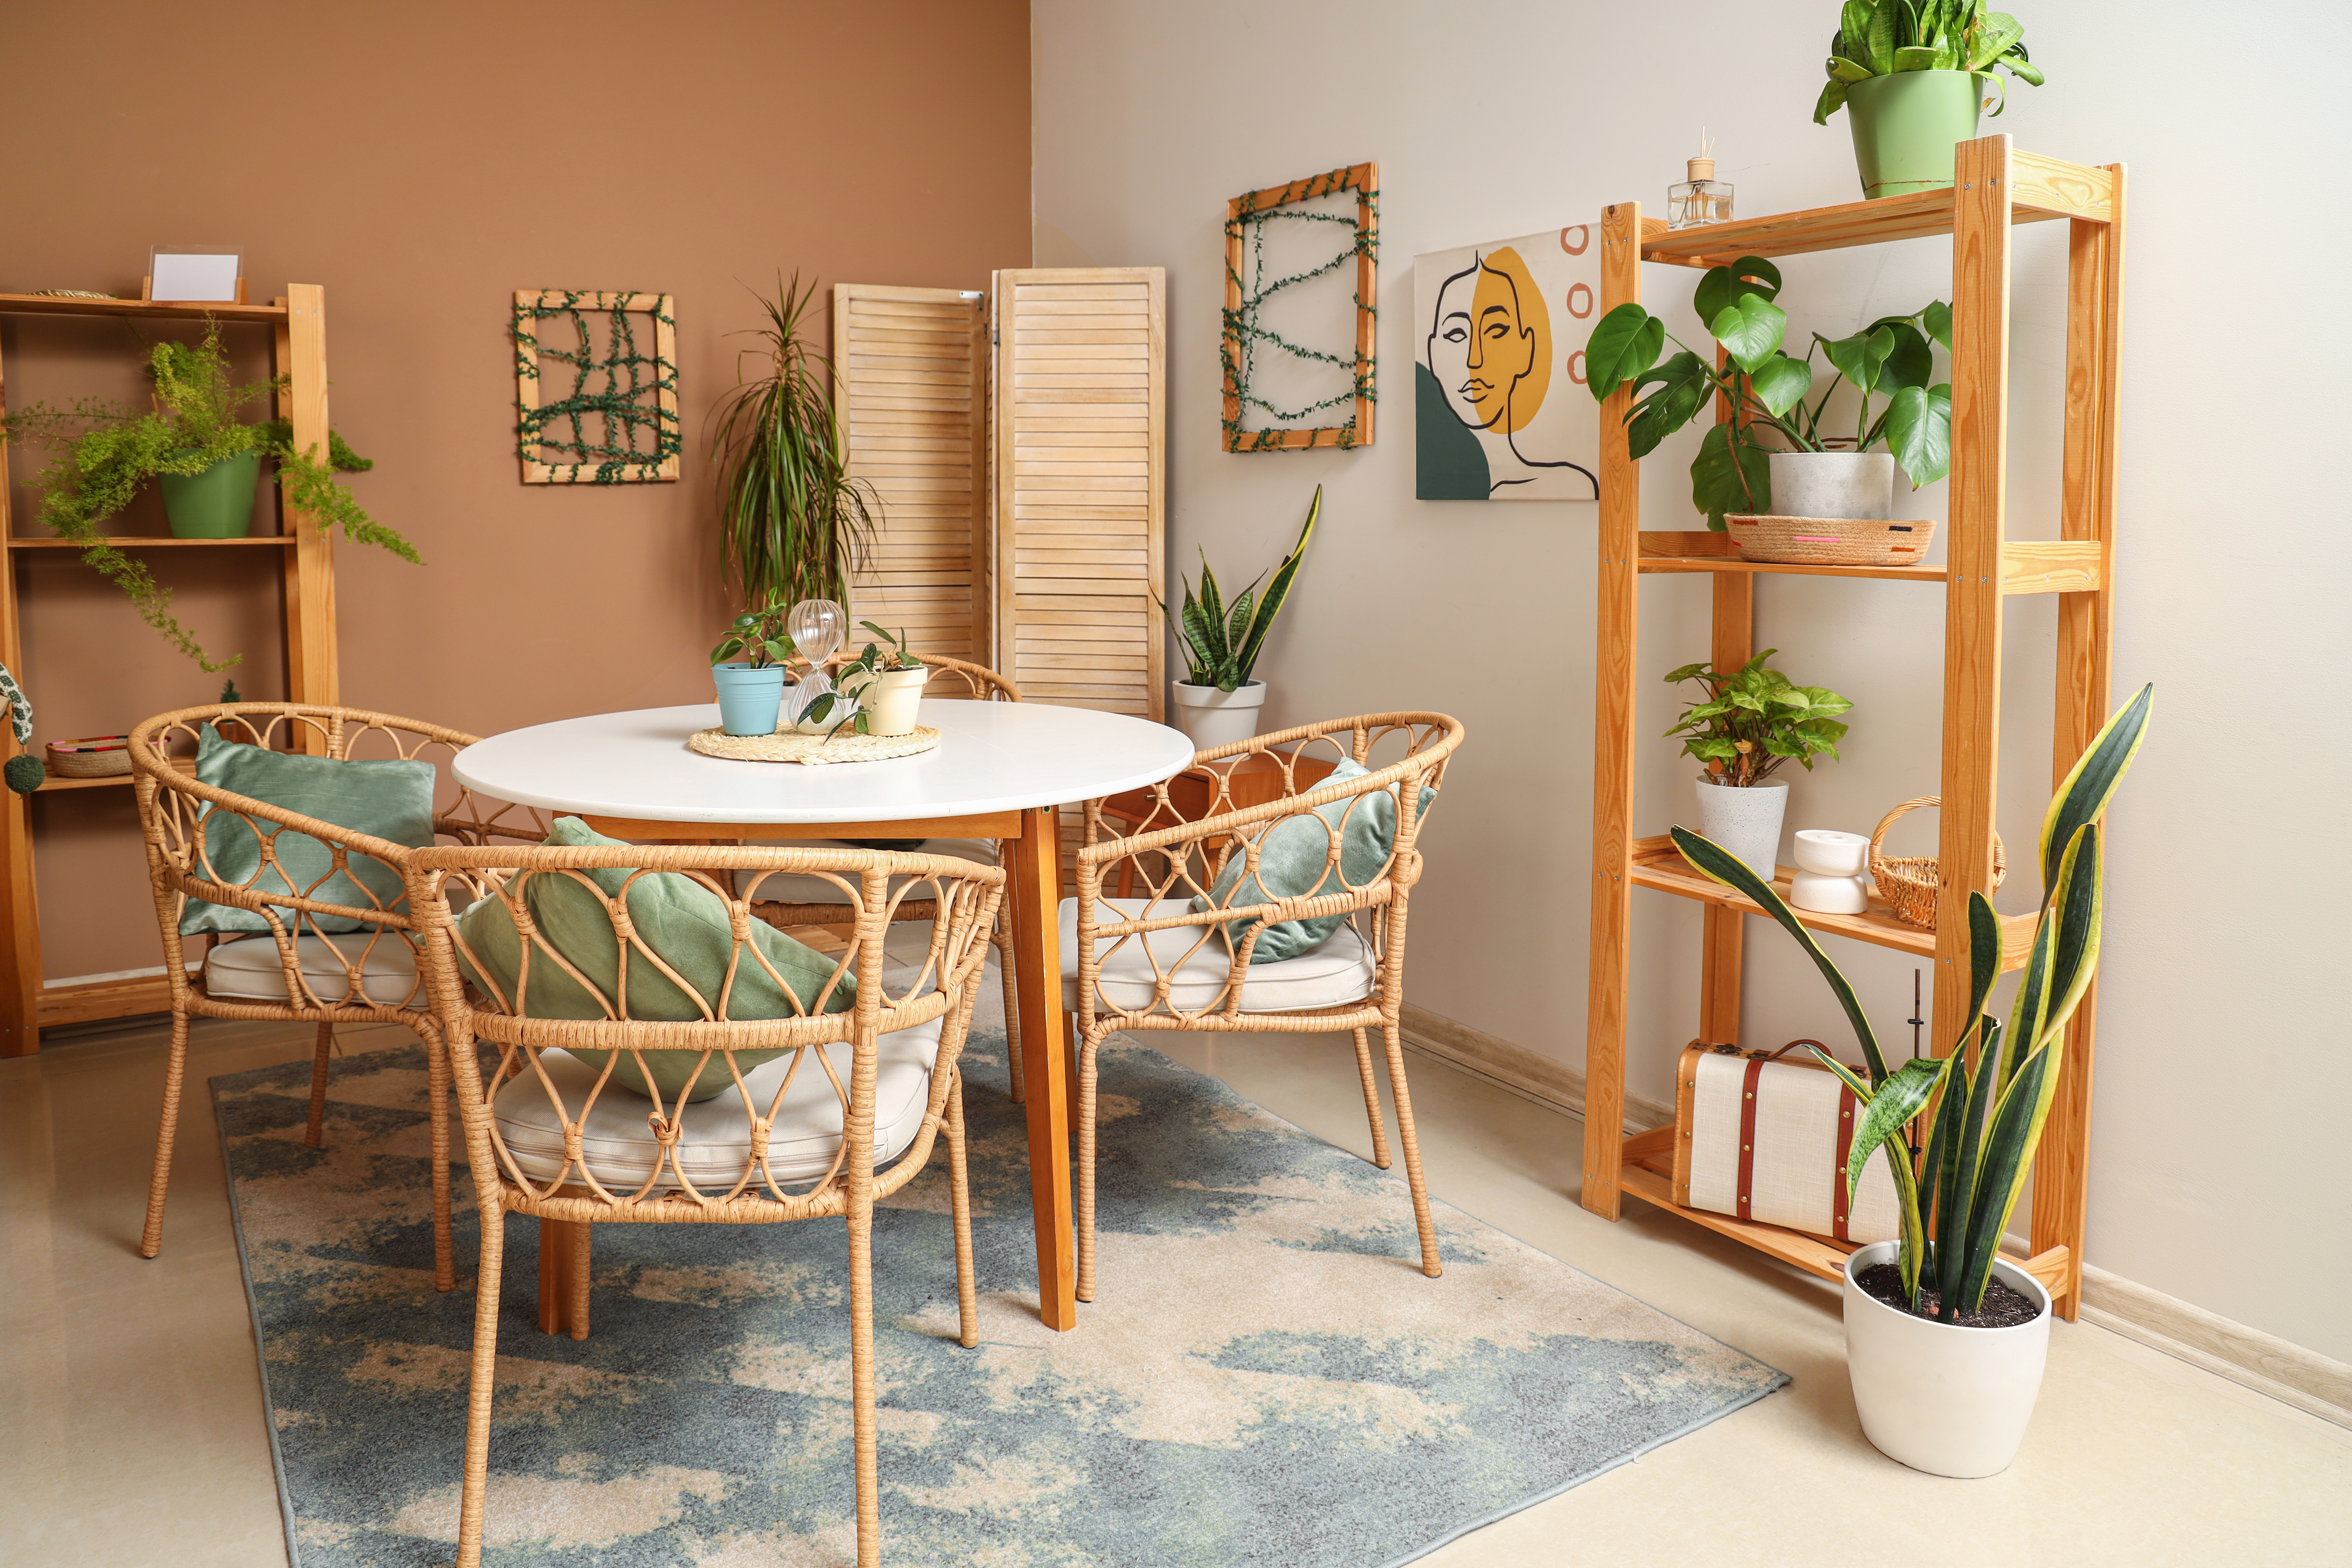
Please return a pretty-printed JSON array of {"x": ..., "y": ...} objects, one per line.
[
  {"x": 1907, "y": 125},
  {"x": 214, "y": 504}
]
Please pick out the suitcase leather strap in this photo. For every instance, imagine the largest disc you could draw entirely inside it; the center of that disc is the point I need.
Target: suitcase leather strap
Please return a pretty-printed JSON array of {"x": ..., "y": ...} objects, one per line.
[
  {"x": 1847, "y": 1106},
  {"x": 1747, "y": 1130}
]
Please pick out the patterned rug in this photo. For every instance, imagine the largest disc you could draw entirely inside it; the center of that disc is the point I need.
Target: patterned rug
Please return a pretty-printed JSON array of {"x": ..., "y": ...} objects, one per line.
[{"x": 1269, "y": 1378}]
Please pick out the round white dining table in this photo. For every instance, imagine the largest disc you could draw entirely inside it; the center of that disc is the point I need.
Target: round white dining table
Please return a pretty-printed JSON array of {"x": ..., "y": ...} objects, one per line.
[{"x": 1000, "y": 771}]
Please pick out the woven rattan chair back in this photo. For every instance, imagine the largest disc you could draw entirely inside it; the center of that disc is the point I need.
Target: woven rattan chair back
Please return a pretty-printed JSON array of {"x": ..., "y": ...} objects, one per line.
[
  {"x": 1171, "y": 858},
  {"x": 727, "y": 1173},
  {"x": 367, "y": 975}
]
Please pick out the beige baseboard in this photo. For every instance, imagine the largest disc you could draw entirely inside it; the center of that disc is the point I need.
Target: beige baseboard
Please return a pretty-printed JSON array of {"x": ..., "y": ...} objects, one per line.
[{"x": 2288, "y": 1373}]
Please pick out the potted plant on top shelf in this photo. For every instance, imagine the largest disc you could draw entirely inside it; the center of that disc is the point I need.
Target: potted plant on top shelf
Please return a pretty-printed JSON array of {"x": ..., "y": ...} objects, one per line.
[
  {"x": 1218, "y": 703},
  {"x": 206, "y": 461},
  {"x": 1750, "y": 722},
  {"x": 1945, "y": 1337},
  {"x": 1913, "y": 76},
  {"x": 1820, "y": 473}
]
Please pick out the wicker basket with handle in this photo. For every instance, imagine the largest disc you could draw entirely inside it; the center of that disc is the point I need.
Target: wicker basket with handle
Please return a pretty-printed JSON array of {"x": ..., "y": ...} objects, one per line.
[{"x": 1907, "y": 882}]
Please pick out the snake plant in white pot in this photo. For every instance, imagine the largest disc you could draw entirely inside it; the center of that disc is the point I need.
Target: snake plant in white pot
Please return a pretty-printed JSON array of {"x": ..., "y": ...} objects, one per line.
[
  {"x": 1218, "y": 702},
  {"x": 1945, "y": 1337}
]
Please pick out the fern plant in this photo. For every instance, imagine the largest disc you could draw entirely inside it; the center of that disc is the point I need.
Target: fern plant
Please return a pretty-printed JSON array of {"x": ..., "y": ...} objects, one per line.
[
  {"x": 107, "y": 452},
  {"x": 1956, "y": 1195},
  {"x": 1221, "y": 643}
]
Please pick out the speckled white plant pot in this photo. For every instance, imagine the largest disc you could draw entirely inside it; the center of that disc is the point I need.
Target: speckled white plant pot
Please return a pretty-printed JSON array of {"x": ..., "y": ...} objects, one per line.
[
  {"x": 1214, "y": 717},
  {"x": 1833, "y": 484},
  {"x": 1745, "y": 820},
  {"x": 1938, "y": 1397}
]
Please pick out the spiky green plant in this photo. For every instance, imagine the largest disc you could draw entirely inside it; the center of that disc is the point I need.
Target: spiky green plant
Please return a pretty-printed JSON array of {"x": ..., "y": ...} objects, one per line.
[
  {"x": 1956, "y": 1199},
  {"x": 793, "y": 524},
  {"x": 1222, "y": 643},
  {"x": 1880, "y": 37}
]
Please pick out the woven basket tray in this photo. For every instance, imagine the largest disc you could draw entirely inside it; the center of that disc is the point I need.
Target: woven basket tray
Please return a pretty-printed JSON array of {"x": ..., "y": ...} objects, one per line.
[
  {"x": 92, "y": 757},
  {"x": 813, "y": 750},
  {"x": 1831, "y": 541},
  {"x": 1907, "y": 882}
]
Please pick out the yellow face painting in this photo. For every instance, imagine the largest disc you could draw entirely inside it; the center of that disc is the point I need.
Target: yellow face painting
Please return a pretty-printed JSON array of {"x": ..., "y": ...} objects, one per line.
[{"x": 1492, "y": 348}]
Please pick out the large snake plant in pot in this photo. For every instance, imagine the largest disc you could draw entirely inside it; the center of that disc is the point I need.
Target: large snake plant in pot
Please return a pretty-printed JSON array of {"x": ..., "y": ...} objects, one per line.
[
  {"x": 1218, "y": 701},
  {"x": 1945, "y": 1337}
]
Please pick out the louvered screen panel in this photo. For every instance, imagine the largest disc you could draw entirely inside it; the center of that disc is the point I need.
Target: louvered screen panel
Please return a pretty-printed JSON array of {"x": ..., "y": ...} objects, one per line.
[
  {"x": 1080, "y": 413},
  {"x": 910, "y": 379}
]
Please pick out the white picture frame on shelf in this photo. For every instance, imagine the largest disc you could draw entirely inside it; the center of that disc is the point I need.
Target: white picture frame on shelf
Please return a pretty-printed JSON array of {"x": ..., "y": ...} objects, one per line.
[{"x": 193, "y": 274}]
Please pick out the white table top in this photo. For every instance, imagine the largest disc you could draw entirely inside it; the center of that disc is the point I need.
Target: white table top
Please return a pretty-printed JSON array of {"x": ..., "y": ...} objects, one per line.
[{"x": 991, "y": 757}]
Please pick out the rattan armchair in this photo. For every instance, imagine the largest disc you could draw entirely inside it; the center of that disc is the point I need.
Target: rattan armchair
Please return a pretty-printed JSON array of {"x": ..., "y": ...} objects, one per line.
[
  {"x": 1142, "y": 963},
  {"x": 298, "y": 970},
  {"x": 808, "y": 902},
  {"x": 549, "y": 1134}
]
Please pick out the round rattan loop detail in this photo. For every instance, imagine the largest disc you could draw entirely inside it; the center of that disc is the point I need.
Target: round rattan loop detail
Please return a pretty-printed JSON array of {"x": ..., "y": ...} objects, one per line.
[
  {"x": 813, "y": 750},
  {"x": 1907, "y": 882}
]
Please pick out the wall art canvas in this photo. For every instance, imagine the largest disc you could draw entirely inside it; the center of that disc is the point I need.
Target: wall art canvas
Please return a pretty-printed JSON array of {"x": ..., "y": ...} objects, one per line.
[{"x": 1500, "y": 410}]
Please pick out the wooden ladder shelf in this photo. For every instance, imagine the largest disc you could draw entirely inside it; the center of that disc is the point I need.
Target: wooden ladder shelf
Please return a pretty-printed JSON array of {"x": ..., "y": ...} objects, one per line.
[{"x": 1994, "y": 187}]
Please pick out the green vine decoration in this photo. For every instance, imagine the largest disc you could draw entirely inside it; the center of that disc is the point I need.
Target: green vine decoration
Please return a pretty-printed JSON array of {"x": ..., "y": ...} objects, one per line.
[
  {"x": 636, "y": 404},
  {"x": 1245, "y": 335},
  {"x": 107, "y": 452}
]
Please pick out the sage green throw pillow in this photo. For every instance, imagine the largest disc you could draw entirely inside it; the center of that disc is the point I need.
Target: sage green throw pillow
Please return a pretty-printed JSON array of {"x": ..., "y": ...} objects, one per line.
[
  {"x": 678, "y": 917},
  {"x": 389, "y": 799},
  {"x": 1291, "y": 858}
]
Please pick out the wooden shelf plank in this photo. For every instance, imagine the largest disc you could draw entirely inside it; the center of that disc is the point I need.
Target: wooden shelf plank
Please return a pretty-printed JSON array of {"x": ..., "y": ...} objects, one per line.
[
  {"x": 1658, "y": 864},
  {"x": 165, "y": 310},
  {"x": 2050, "y": 566},
  {"x": 1649, "y": 564},
  {"x": 105, "y": 999},
  {"x": 155, "y": 542},
  {"x": 2032, "y": 566},
  {"x": 54, "y": 782}
]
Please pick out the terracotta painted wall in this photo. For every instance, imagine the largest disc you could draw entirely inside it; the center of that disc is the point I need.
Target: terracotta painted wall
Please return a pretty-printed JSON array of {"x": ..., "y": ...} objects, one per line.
[{"x": 422, "y": 163}]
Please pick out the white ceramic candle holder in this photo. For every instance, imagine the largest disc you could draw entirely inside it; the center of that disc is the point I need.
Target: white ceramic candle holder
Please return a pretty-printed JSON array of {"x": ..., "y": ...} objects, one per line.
[{"x": 1832, "y": 872}]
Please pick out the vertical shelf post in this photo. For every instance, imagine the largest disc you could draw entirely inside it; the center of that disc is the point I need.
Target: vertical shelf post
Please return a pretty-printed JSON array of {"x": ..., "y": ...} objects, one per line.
[
  {"x": 310, "y": 668},
  {"x": 20, "y": 943},
  {"x": 1725, "y": 930}
]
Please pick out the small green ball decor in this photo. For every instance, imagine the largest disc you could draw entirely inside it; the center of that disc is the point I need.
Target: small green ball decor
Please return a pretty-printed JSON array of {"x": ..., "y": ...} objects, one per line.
[{"x": 26, "y": 774}]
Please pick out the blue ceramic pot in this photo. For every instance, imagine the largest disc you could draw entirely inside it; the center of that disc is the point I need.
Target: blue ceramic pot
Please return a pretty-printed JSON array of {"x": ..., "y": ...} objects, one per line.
[{"x": 748, "y": 698}]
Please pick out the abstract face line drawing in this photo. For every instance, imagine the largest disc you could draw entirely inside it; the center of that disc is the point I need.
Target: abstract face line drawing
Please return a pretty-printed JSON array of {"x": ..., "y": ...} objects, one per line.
[{"x": 1486, "y": 424}]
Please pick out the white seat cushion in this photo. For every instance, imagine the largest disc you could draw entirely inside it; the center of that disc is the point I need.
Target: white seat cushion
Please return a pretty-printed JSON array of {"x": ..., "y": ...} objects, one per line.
[
  {"x": 798, "y": 887},
  {"x": 715, "y": 1143},
  {"x": 1342, "y": 970},
  {"x": 249, "y": 970}
]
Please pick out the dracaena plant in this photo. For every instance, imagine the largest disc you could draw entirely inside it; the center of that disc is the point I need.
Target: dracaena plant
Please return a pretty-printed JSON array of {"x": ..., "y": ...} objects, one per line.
[
  {"x": 1880, "y": 37},
  {"x": 1889, "y": 360},
  {"x": 1220, "y": 642},
  {"x": 1998, "y": 1083},
  {"x": 1753, "y": 718}
]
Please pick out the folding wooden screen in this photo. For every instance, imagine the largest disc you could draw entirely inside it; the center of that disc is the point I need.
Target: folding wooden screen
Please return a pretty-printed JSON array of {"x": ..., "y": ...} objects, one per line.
[{"x": 910, "y": 380}]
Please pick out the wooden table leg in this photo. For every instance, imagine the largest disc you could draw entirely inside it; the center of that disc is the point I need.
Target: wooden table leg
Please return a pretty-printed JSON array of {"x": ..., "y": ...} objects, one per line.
[{"x": 1036, "y": 896}]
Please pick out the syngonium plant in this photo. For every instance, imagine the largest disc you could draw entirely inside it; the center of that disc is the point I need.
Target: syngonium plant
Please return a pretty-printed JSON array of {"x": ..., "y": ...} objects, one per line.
[
  {"x": 1753, "y": 718},
  {"x": 1883, "y": 38},
  {"x": 1766, "y": 388},
  {"x": 1998, "y": 1084},
  {"x": 1221, "y": 643}
]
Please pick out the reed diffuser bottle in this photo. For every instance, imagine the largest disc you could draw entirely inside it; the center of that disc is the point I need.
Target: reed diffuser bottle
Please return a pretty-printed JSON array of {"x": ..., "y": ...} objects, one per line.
[{"x": 1702, "y": 198}]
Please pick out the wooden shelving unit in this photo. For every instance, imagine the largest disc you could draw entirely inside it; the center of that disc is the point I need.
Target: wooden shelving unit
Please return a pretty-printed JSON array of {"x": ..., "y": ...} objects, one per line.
[
  {"x": 303, "y": 566},
  {"x": 1995, "y": 186}
]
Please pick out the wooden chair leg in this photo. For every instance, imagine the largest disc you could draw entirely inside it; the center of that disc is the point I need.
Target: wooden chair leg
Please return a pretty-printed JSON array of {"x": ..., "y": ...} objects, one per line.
[
  {"x": 861, "y": 1379},
  {"x": 1008, "y": 969},
  {"x": 1372, "y": 1101},
  {"x": 564, "y": 1248},
  {"x": 151, "y": 1239},
  {"x": 437, "y": 1077},
  {"x": 1428, "y": 1227},
  {"x": 1088, "y": 1070},
  {"x": 474, "y": 1476},
  {"x": 959, "y": 1202},
  {"x": 319, "y": 1055}
]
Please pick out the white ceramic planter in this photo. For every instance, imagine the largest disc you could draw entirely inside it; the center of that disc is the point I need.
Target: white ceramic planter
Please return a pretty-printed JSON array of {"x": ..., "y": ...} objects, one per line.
[
  {"x": 891, "y": 700},
  {"x": 1744, "y": 821},
  {"x": 1213, "y": 717},
  {"x": 1940, "y": 1398},
  {"x": 1830, "y": 867},
  {"x": 1833, "y": 484}
]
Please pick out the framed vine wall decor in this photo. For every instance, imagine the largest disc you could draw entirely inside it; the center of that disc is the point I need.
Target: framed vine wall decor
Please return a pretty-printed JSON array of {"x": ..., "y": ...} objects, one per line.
[
  {"x": 614, "y": 419},
  {"x": 1288, "y": 372}
]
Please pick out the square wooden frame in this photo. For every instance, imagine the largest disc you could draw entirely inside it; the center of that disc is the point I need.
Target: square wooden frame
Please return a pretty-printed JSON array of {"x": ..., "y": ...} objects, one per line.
[
  {"x": 1364, "y": 179},
  {"x": 665, "y": 398}
]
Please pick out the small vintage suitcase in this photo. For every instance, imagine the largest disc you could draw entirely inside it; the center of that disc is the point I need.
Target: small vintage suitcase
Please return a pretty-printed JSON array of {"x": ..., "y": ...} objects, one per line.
[{"x": 1765, "y": 1136}]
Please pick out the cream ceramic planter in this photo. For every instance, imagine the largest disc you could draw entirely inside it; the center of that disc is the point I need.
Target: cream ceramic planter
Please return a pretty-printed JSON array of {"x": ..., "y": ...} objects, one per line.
[
  {"x": 1940, "y": 1398},
  {"x": 891, "y": 700},
  {"x": 1746, "y": 821},
  {"x": 1859, "y": 485},
  {"x": 1213, "y": 717}
]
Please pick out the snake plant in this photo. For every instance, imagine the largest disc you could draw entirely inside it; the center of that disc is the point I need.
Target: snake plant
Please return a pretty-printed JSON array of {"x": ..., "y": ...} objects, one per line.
[
  {"x": 1221, "y": 643},
  {"x": 1956, "y": 1195},
  {"x": 1880, "y": 37}
]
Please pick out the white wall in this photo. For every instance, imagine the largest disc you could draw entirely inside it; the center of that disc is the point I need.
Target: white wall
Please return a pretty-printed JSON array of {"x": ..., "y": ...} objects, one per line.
[{"x": 2223, "y": 1086}]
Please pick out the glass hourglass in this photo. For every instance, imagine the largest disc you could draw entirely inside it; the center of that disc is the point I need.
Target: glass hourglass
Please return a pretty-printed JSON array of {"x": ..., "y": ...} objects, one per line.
[{"x": 819, "y": 628}]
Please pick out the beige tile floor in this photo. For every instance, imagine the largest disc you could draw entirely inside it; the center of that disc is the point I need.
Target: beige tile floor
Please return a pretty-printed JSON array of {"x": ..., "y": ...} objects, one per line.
[{"x": 131, "y": 1428}]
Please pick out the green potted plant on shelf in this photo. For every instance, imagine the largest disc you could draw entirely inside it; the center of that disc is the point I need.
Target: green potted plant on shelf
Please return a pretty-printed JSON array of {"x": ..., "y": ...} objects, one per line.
[
  {"x": 1746, "y": 724},
  {"x": 751, "y": 686},
  {"x": 206, "y": 461},
  {"x": 793, "y": 522},
  {"x": 1820, "y": 472},
  {"x": 1218, "y": 702},
  {"x": 1945, "y": 1337},
  {"x": 1913, "y": 76}
]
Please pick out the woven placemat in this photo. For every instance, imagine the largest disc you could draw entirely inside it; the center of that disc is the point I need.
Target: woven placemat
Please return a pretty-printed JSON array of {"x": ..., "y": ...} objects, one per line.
[{"x": 814, "y": 750}]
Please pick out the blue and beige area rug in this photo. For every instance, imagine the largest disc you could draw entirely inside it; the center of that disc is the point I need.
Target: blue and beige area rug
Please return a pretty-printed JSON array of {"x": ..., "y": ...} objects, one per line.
[{"x": 1268, "y": 1378}]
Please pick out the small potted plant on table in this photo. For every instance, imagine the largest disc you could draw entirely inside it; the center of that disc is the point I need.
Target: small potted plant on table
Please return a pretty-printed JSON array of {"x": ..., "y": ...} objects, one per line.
[
  {"x": 751, "y": 688},
  {"x": 887, "y": 682},
  {"x": 1218, "y": 703},
  {"x": 1945, "y": 1338},
  {"x": 1750, "y": 721}
]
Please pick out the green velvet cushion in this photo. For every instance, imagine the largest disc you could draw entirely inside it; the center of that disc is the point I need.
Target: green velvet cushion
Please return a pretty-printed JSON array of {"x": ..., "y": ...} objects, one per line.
[
  {"x": 1291, "y": 857},
  {"x": 676, "y": 917},
  {"x": 388, "y": 799}
]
